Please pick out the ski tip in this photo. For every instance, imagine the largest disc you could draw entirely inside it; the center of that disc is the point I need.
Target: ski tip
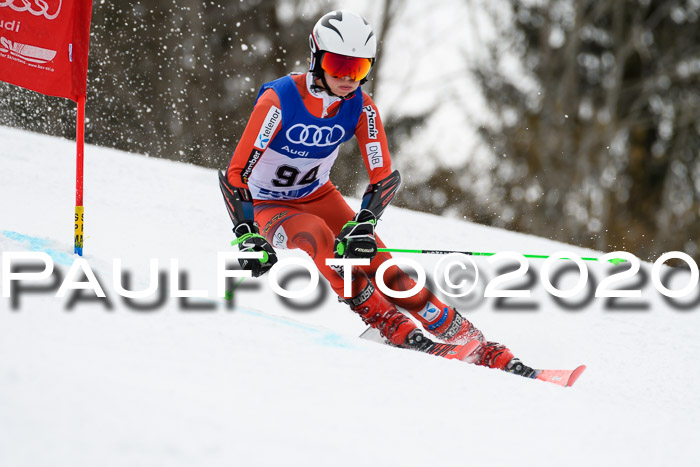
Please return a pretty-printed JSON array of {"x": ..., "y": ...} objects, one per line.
[
  {"x": 575, "y": 375},
  {"x": 563, "y": 378}
]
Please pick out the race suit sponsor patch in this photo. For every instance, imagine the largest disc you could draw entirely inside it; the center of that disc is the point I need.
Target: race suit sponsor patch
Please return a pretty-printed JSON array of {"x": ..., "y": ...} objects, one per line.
[
  {"x": 280, "y": 238},
  {"x": 270, "y": 124},
  {"x": 374, "y": 155},
  {"x": 273, "y": 222},
  {"x": 252, "y": 160},
  {"x": 371, "y": 121}
]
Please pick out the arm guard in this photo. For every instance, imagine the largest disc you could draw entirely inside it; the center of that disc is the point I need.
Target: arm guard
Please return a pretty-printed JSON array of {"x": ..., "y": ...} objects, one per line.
[
  {"x": 378, "y": 196},
  {"x": 239, "y": 202}
]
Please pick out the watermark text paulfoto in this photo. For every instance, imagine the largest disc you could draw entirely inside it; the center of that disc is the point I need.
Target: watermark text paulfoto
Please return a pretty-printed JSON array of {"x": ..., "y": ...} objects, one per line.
[{"x": 22, "y": 272}]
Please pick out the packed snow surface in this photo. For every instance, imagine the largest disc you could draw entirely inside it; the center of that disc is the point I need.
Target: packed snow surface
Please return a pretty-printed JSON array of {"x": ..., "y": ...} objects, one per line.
[{"x": 267, "y": 382}]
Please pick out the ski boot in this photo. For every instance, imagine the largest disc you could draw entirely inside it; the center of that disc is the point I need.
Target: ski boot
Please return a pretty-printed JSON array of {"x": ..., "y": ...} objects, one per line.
[
  {"x": 494, "y": 355},
  {"x": 377, "y": 312}
]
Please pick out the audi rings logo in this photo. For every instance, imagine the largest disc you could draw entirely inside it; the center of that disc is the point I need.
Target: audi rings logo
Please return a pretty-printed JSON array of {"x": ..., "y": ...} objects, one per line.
[{"x": 312, "y": 135}]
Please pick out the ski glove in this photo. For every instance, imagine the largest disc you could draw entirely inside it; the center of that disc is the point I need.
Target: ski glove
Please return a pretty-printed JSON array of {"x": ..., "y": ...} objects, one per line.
[
  {"x": 250, "y": 240},
  {"x": 356, "y": 239}
]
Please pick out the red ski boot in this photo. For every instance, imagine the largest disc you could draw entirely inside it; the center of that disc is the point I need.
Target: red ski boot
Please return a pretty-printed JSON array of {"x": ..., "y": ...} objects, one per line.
[
  {"x": 378, "y": 312},
  {"x": 494, "y": 355}
]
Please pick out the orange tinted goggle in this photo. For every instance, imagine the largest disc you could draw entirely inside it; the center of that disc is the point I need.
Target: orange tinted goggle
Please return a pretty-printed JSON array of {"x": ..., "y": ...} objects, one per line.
[{"x": 340, "y": 66}]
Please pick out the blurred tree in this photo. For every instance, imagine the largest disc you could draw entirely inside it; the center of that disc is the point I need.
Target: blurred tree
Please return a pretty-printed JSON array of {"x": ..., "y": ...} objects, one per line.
[
  {"x": 185, "y": 77},
  {"x": 597, "y": 125},
  {"x": 174, "y": 80}
]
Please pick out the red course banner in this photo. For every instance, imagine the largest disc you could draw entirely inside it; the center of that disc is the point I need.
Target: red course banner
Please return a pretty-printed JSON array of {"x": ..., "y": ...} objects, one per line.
[{"x": 44, "y": 45}]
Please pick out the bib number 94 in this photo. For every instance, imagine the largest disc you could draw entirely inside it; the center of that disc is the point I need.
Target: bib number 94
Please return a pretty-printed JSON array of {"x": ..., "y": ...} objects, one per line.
[{"x": 287, "y": 176}]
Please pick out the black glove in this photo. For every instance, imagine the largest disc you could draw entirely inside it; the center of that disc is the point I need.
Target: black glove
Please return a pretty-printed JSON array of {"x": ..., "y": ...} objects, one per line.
[
  {"x": 356, "y": 240},
  {"x": 250, "y": 240}
]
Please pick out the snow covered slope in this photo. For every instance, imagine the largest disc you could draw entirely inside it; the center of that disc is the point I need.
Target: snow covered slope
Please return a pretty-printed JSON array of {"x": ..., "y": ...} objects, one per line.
[{"x": 87, "y": 382}]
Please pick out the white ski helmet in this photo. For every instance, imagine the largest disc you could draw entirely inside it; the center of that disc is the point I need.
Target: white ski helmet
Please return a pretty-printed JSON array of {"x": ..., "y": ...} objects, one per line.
[{"x": 345, "y": 33}]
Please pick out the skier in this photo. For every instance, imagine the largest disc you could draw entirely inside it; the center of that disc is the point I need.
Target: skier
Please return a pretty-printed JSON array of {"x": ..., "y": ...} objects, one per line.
[{"x": 278, "y": 193}]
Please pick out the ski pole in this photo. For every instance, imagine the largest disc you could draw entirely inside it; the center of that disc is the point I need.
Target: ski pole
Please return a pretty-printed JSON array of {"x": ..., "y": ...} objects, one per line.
[{"x": 476, "y": 253}]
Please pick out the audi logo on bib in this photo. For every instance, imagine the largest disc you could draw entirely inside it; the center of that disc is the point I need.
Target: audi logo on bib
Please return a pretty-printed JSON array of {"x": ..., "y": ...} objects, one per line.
[{"x": 312, "y": 135}]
